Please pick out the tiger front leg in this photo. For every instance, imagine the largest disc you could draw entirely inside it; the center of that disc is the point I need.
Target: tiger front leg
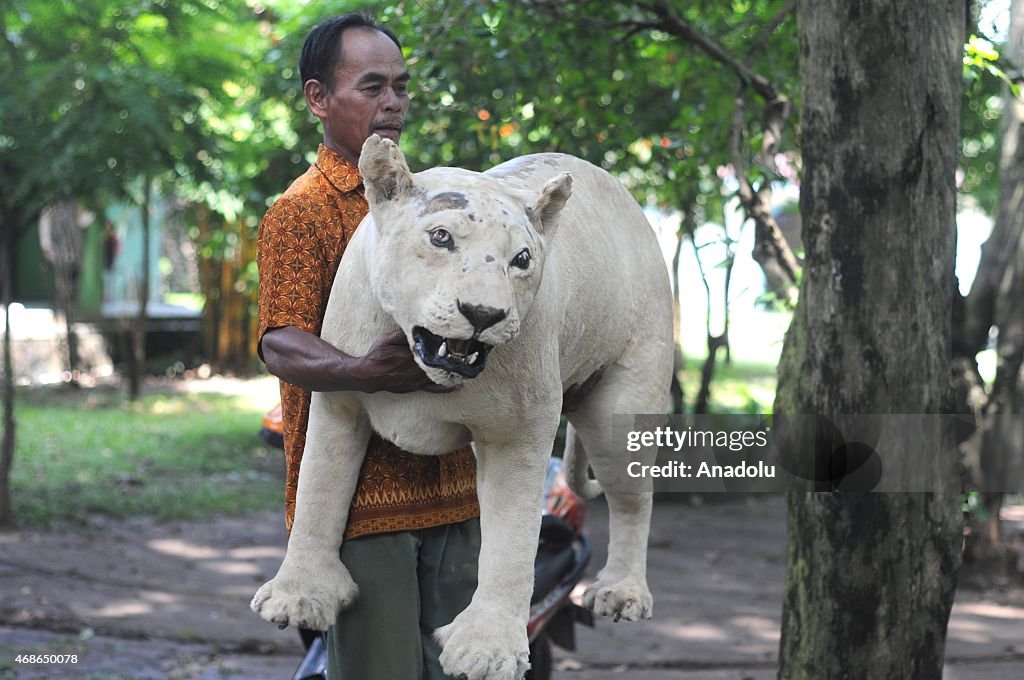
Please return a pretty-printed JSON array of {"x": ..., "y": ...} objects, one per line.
[{"x": 312, "y": 585}]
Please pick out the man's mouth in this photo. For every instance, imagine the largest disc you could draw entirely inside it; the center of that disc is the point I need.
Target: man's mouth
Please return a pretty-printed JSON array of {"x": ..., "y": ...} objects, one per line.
[
  {"x": 463, "y": 357},
  {"x": 389, "y": 129}
]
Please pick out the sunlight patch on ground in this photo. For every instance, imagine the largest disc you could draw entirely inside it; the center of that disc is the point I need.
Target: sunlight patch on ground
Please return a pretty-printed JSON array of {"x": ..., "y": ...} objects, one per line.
[
  {"x": 969, "y": 631},
  {"x": 120, "y": 609},
  {"x": 159, "y": 597},
  {"x": 992, "y": 611},
  {"x": 691, "y": 631},
  {"x": 256, "y": 552},
  {"x": 231, "y": 568},
  {"x": 178, "y": 548},
  {"x": 237, "y": 562},
  {"x": 759, "y": 627}
]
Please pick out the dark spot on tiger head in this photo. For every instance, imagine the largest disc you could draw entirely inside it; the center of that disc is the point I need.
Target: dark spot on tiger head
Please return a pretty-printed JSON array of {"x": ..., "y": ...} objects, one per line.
[
  {"x": 448, "y": 200},
  {"x": 489, "y": 258}
]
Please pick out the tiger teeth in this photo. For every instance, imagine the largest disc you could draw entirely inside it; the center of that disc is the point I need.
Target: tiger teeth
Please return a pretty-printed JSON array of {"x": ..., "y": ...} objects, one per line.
[{"x": 443, "y": 351}]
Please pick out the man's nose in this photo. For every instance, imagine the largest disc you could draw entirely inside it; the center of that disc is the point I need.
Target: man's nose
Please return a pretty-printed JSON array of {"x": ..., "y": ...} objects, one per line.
[{"x": 391, "y": 100}]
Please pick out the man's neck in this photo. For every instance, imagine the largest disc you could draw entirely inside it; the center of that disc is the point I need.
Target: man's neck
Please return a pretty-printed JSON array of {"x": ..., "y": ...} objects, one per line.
[{"x": 336, "y": 149}]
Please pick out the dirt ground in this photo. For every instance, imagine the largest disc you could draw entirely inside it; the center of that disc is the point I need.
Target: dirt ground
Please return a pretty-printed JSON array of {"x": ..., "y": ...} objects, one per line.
[{"x": 137, "y": 600}]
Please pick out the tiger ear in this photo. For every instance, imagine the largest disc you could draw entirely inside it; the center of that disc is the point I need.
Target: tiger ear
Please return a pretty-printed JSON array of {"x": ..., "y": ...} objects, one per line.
[
  {"x": 386, "y": 175},
  {"x": 544, "y": 213}
]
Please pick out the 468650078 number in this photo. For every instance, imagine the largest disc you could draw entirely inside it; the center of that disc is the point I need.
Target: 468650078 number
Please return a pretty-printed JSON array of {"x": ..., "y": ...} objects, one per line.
[{"x": 46, "y": 658}]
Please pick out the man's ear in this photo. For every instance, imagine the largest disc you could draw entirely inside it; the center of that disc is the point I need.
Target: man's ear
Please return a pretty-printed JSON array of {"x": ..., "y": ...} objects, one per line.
[
  {"x": 544, "y": 213},
  {"x": 316, "y": 97},
  {"x": 385, "y": 173}
]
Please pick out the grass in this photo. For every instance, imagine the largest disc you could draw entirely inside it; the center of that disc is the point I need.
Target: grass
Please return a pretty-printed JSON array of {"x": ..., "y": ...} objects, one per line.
[
  {"x": 178, "y": 455},
  {"x": 169, "y": 456},
  {"x": 737, "y": 387}
]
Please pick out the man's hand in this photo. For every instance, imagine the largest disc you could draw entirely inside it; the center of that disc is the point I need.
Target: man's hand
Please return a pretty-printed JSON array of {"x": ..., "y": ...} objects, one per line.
[
  {"x": 303, "y": 359},
  {"x": 389, "y": 366}
]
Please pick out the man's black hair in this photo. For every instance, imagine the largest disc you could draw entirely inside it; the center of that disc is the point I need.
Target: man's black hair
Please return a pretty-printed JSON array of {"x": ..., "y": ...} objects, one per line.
[{"x": 322, "y": 49}]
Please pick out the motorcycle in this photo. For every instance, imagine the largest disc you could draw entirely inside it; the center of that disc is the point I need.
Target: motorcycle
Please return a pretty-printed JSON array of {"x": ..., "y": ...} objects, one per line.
[{"x": 563, "y": 552}]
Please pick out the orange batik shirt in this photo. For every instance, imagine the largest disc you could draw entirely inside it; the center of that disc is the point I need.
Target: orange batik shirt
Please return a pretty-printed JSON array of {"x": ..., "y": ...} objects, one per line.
[{"x": 301, "y": 240}]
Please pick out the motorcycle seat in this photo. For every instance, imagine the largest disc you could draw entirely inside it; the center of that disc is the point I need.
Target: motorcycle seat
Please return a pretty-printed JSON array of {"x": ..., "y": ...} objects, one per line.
[{"x": 555, "y": 556}]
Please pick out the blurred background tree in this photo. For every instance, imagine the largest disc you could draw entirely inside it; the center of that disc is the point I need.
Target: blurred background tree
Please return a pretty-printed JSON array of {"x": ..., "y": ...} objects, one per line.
[{"x": 991, "y": 317}]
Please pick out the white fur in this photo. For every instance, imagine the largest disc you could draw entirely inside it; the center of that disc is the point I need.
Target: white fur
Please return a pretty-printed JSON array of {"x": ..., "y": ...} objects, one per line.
[{"x": 595, "y": 295}]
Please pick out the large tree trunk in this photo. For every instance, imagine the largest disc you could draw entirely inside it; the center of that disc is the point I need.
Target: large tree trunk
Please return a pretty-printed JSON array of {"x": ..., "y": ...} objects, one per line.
[{"x": 871, "y": 577}]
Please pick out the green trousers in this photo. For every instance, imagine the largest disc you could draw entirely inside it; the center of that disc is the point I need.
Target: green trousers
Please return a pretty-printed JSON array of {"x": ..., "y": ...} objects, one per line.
[{"x": 410, "y": 583}]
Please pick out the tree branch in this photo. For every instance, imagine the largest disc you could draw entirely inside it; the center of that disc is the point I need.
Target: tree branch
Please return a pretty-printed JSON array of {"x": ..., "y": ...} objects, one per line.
[
  {"x": 557, "y": 10},
  {"x": 771, "y": 251},
  {"x": 634, "y": 28},
  {"x": 677, "y": 26},
  {"x": 776, "y": 112},
  {"x": 442, "y": 28},
  {"x": 758, "y": 43},
  {"x": 674, "y": 25}
]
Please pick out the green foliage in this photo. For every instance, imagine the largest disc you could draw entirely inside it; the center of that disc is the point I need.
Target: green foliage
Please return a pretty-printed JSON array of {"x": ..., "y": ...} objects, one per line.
[
  {"x": 981, "y": 112},
  {"x": 739, "y": 387},
  {"x": 499, "y": 79},
  {"x": 167, "y": 456},
  {"x": 205, "y": 93},
  {"x": 107, "y": 92},
  {"x": 981, "y": 57},
  {"x": 974, "y": 506}
]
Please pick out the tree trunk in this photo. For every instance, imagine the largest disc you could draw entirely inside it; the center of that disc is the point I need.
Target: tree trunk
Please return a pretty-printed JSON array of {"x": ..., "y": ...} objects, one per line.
[
  {"x": 678, "y": 361},
  {"x": 209, "y": 284},
  {"x": 702, "y": 400},
  {"x": 8, "y": 242},
  {"x": 714, "y": 342},
  {"x": 137, "y": 367},
  {"x": 64, "y": 247},
  {"x": 871, "y": 577}
]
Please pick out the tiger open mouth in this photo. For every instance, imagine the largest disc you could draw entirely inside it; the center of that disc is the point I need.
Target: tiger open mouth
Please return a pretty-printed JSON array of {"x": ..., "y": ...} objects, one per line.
[{"x": 462, "y": 357}]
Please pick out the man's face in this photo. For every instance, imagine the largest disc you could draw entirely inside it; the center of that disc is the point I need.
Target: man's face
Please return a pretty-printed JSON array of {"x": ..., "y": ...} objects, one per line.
[{"x": 370, "y": 93}]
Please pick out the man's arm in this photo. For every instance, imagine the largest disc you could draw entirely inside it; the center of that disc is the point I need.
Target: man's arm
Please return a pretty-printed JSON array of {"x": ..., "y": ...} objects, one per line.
[{"x": 305, "y": 360}]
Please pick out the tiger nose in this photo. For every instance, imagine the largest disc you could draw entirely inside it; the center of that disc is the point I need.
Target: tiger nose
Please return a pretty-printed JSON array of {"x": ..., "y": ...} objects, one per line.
[{"x": 481, "y": 317}]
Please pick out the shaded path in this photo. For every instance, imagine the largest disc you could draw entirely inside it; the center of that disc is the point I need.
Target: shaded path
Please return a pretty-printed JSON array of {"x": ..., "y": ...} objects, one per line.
[{"x": 139, "y": 600}]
